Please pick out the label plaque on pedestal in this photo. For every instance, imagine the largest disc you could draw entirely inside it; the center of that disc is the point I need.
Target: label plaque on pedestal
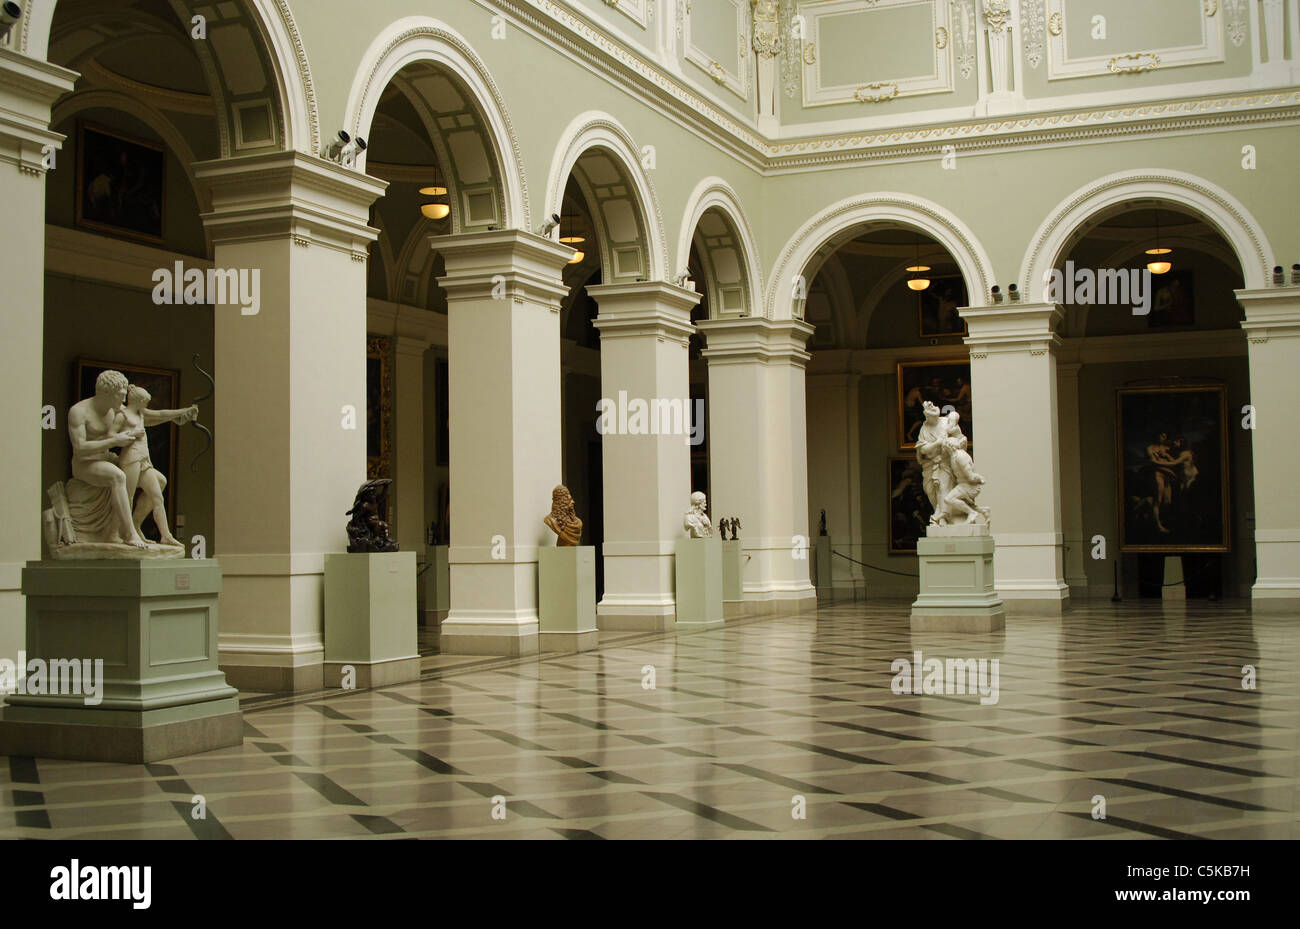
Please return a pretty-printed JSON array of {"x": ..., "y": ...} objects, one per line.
[{"x": 957, "y": 592}]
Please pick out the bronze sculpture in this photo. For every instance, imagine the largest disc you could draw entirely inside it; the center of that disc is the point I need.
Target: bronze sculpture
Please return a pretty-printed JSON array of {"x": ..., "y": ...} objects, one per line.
[
  {"x": 367, "y": 530},
  {"x": 563, "y": 520}
]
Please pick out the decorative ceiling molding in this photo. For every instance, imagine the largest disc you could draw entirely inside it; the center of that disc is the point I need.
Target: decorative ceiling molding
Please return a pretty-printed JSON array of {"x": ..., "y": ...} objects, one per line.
[
  {"x": 733, "y": 71},
  {"x": 1209, "y": 50}
]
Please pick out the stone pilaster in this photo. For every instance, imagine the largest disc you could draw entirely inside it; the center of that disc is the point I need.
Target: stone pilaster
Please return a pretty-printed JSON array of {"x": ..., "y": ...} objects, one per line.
[
  {"x": 290, "y": 402},
  {"x": 758, "y": 451},
  {"x": 503, "y": 300},
  {"x": 1017, "y": 448},
  {"x": 1076, "y": 538},
  {"x": 28, "y": 88},
  {"x": 644, "y": 329},
  {"x": 1273, "y": 335}
]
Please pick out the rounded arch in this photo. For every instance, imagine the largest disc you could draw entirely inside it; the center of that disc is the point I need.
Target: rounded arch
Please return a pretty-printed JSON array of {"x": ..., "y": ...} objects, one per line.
[
  {"x": 713, "y": 193},
  {"x": 903, "y": 209},
  {"x": 1216, "y": 206},
  {"x": 645, "y": 255},
  {"x": 422, "y": 40},
  {"x": 293, "y": 103}
]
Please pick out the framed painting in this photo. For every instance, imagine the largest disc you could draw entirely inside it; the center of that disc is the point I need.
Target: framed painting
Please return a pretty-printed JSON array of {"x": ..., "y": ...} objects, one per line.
[
  {"x": 936, "y": 307},
  {"x": 379, "y": 407},
  {"x": 163, "y": 385},
  {"x": 120, "y": 184},
  {"x": 1173, "y": 469},
  {"x": 945, "y": 383},
  {"x": 909, "y": 507},
  {"x": 1173, "y": 300}
]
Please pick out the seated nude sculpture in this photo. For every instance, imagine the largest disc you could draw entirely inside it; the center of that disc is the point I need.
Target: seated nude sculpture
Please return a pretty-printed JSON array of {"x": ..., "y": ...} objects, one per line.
[{"x": 92, "y": 515}]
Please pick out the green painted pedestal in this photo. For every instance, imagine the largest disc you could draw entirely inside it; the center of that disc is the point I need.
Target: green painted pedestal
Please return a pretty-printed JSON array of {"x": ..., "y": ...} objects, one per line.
[
  {"x": 699, "y": 583},
  {"x": 153, "y": 624},
  {"x": 370, "y": 619},
  {"x": 733, "y": 579},
  {"x": 566, "y": 598},
  {"x": 957, "y": 592}
]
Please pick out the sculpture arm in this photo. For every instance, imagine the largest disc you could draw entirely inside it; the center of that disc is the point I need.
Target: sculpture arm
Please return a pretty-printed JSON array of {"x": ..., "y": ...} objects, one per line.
[
  {"x": 154, "y": 417},
  {"x": 81, "y": 446}
]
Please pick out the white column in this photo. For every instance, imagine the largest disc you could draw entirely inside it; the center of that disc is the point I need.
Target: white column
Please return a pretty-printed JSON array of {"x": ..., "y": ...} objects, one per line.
[
  {"x": 290, "y": 403},
  {"x": 408, "y": 454},
  {"x": 758, "y": 452},
  {"x": 835, "y": 471},
  {"x": 503, "y": 300},
  {"x": 1076, "y": 538},
  {"x": 997, "y": 95},
  {"x": 1273, "y": 332},
  {"x": 644, "y": 329},
  {"x": 1017, "y": 448},
  {"x": 27, "y": 89}
]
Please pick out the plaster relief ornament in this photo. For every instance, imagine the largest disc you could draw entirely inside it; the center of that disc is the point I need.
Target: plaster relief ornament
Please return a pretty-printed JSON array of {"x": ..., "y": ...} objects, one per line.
[
  {"x": 367, "y": 530},
  {"x": 94, "y": 515},
  {"x": 563, "y": 520},
  {"x": 696, "y": 520},
  {"x": 767, "y": 28}
]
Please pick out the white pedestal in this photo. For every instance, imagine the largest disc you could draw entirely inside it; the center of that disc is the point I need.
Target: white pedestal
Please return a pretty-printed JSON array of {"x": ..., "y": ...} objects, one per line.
[
  {"x": 699, "y": 583},
  {"x": 370, "y": 618},
  {"x": 566, "y": 598},
  {"x": 1173, "y": 588},
  {"x": 733, "y": 579},
  {"x": 957, "y": 592}
]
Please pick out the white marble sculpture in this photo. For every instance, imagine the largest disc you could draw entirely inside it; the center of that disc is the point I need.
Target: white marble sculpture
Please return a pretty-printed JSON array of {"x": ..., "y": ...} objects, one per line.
[
  {"x": 947, "y": 471},
  {"x": 91, "y": 515},
  {"x": 696, "y": 521}
]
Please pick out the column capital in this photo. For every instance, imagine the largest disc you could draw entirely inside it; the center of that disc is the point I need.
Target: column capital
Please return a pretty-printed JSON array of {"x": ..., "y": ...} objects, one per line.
[
  {"x": 644, "y": 308},
  {"x": 28, "y": 88},
  {"x": 503, "y": 263},
  {"x": 290, "y": 194},
  {"x": 1270, "y": 314},
  {"x": 1015, "y": 327},
  {"x": 750, "y": 339}
]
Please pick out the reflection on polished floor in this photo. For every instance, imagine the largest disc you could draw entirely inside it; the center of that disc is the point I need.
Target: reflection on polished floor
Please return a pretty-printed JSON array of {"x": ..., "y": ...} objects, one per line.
[{"x": 1142, "y": 705}]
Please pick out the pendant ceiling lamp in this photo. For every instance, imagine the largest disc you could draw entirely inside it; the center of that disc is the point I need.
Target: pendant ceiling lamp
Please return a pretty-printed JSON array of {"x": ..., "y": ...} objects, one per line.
[
  {"x": 569, "y": 235},
  {"x": 437, "y": 189},
  {"x": 918, "y": 281},
  {"x": 1159, "y": 264}
]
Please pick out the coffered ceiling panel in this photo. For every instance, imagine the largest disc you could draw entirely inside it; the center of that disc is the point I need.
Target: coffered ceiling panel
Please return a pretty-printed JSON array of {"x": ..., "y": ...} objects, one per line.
[
  {"x": 870, "y": 51},
  {"x": 1097, "y": 37}
]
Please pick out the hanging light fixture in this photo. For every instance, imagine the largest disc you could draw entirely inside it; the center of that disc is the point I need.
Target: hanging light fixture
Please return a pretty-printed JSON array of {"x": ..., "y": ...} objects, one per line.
[
  {"x": 1158, "y": 263},
  {"x": 918, "y": 281},
  {"x": 569, "y": 235},
  {"x": 437, "y": 189}
]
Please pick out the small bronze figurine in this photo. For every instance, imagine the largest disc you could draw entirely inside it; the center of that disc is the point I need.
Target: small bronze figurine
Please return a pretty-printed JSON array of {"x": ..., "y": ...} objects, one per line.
[
  {"x": 367, "y": 530},
  {"x": 563, "y": 519}
]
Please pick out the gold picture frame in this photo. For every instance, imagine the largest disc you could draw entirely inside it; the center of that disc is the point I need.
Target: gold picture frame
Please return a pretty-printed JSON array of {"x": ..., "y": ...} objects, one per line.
[
  {"x": 916, "y": 384},
  {"x": 379, "y": 407},
  {"x": 1173, "y": 479}
]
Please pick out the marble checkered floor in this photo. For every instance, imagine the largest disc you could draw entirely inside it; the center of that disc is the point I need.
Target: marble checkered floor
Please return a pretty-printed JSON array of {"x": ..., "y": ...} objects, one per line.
[{"x": 1141, "y": 704}]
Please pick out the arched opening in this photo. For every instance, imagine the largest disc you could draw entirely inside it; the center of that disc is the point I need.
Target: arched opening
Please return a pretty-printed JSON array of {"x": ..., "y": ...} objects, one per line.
[
  {"x": 1156, "y": 472},
  {"x": 884, "y": 300}
]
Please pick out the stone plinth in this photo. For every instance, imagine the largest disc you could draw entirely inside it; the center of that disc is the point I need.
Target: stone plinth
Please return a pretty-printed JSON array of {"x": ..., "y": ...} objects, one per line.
[
  {"x": 957, "y": 592},
  {"x": 699, "y": 583},
  {"x": 733, "y": 579},
  {"x": 566, "y": 598},
  {"x": 437, "y": 586},
  {"x": 153, "y": 625},
  {"x": 370, "y": 618}
]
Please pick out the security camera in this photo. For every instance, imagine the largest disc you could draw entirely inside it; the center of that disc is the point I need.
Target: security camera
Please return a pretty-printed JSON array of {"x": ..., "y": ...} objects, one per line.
[
  {"x": 996, "y": 293},
  {"x": 348, "y": 157},
  {"x": 1014, "y": 293},
  {"x": 10, "y": 13},
  {"x": 1295, "y": 274},
  {"x": 334, "y": 151},
  {"x": 550, "y": 225},
  {"x": 683, "y": 278},
  {"x": 1278, "y": 279}
]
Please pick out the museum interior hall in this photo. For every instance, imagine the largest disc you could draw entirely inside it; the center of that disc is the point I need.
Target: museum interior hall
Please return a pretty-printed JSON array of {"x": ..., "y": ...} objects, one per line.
[{"x": 631, "y": 414}]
